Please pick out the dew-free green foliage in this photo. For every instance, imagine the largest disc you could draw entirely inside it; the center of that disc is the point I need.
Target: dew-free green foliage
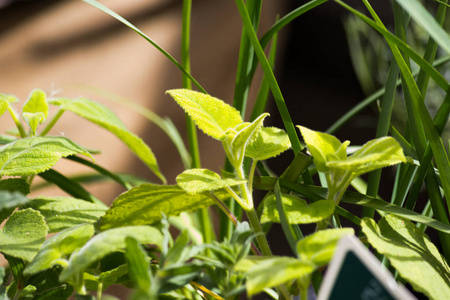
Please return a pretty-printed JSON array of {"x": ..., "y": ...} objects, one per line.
[
  {"x": 64, "y": 212},
  {"x": 412, "y": 253},
  {"x": 23, "y": 234},
  {"x": 9, "y": 201},
  {"x": 268, "y": 143},
  {"x": 196, "y": 181},
  {"x": 35, "y": 110},
  {"x": 146, "y": 203},
  {"x": 104, "y": 117},
  {"x": 298, "y": 211},
  {"x": 33, "y": 155}
]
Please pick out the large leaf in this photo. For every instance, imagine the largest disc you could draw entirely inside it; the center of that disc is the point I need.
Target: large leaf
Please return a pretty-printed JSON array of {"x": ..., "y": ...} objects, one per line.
[
  {"x": 34, "y": 155},
  {"x": 196, "y": 181},
  {"x": 269, "y": 142},
  {"x": 297, "y": 210},
  {"x": 104, "y": 117},
  {"x": 10, "y": 201},
  {"x": 146, "y": 203},
  {"x": 59, "y": 246},
  {"x": 15, "y": 185},
  {"x": 318, "y": 248},
  {"x": 412, "y": 253},
  {"x": 64, "y": 212},
  {"x": 108, "y": 242},
  {"x": 212, "y": 116},
  {"x": 275, "y": 271},
  {"x": 23, "y": 234}
]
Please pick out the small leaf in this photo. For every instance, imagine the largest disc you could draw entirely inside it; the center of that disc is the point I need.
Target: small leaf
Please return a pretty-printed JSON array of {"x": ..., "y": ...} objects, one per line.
[
  {"x": 10, "y": 201},
  {"x": 297, "y": 210},
  {"x": 64, "y": 212},
  {"x": 3, "y": 106},
  {"x": 410, "y": 252},
  {"x": 281, "y": 270},
  {"x": 212, "y": 116},
  {"x": 104, "y": 117},
  {"x": 59, "y": 246},
  {"x": 36, "y": 103},
  {"x": 146, "y": 203},
  {"x": 245, "y": 134},
  {"x": 269, "y": 142},
  {"x": 321, "y": 145},
  {"x": 33, "y": 120},
  {"x": 375, "y": 154},
  {"x": 196, "y": 181},
  {"x": 108, "y": 242},
  {"x": 34, "y": 155},
  {"x": 23, "y": 234},
  {"x": 318, "y": 248},
  {"x": 107, "y": 278},
  {"x": 138, "y": 264},
  {"x": 5, "y": 101}
]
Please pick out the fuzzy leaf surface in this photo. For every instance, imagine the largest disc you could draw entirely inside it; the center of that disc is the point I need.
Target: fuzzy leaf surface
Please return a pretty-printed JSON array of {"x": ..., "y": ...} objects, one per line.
[
  {"x": 211, "y": 115},
  {"x": 318, "y": 248},
  {"x": 298, "y": 211},
  {"x": 411, "y": 252},
  {"x": 59, "y": 246},
  {"x": 146, "y": 203},
  {"x": 36, "y": 103},
  {"x": 23, "y": 234},
  {"x": 268, "y": 143},
  {"x": 108, "y": 242},
  {"x": 281, "y": 270},
  {"x": 64, "y": 212},
  {"x": 246, "y": 134},
  {"x": 196, "y": 181},
  {"x": 104, "y": 117},
  {"x": 15, "y": 185},
  {"x": 34, "y": 155}
]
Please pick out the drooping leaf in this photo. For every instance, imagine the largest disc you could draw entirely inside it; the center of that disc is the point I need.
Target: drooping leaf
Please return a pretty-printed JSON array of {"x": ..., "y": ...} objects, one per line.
[
  {"x": 23, "y": 234},
  {"x": 318, "y": 248},
  {"x": 146, "y": 203},
  {"x": 196, "y": 181},
  {"x": 211, "y": 115},
  {"x": 59, "y": 247},
  {"x": 412, "y": 253},
  {"x": 64, "y": 212},
  {"x": 269, "y": 142},
  {"x": 375, "y": 154},
  {"x": 246, "y": 133},
  {"x": 15, "y": 185},
  {"x": 275, "y": 271},
  {"x": 297, "y": 210},
  {"x": 108, "y": 242},
  {"x": 104, "y": 117},
  {"x": 321, "y": 146},
  {"x": 33, "y": 155}
]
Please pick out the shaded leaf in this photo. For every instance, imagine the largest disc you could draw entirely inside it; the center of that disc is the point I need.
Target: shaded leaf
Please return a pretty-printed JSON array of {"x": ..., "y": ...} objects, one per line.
[
  {"x": 33, "y": 155},
  {"x": 59, "y": 247},
  {"x": 9, "y": 202},
  {"x": 211, "y": 115},
  {"x": 298, "y": 211},
  {"x": 268, "y": 143},
  {"x": 106, "y": 279},
  {"x": 64, "y": 212},
  {"x": 196, "y": 181},
  {"x": 146, "y": 203},
  {"x": 15, "y": 185},
  {"x": 412, "y": 253},
  {"x": 139, "y": 265},
  {"x": 104, "y": 117},
  {"x": 108, "y": 242},
  {"x": 23, "y": 234}
]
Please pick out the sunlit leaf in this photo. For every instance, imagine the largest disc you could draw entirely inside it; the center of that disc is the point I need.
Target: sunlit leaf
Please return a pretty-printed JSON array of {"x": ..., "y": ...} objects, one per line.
[
  {"x": 245, "y": 134},
  {"x": 268, "y": 143},
  {"x": 196, "y": 181}
]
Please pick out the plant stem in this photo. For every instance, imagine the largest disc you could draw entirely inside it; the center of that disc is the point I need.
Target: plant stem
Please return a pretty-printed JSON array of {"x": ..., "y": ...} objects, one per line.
[
  {"x": 52, "y": 122},
  {"x": 17, "y": 121},
  {"x": 257, "y": 229}
]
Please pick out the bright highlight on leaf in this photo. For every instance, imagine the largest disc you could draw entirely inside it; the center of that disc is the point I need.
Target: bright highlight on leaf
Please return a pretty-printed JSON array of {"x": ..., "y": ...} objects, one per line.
[
  {"x": 213, "y": 116},
  {"x": 34, "y": 155},
  {"x": 269, "y": 142},
  {"x": 410, "y": 251},
  {"x": 196, "y": 181}
]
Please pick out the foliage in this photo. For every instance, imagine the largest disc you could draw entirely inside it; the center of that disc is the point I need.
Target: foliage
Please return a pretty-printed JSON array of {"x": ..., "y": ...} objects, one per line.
[{"x": 131, "y": 243}]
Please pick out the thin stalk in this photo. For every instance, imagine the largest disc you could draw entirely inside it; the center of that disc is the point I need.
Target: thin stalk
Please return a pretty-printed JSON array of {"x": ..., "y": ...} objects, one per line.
[
  {"x": 257, "y": 229},
  {"x": 16, "y": 120},
  {"x": 52, "y": 122}
]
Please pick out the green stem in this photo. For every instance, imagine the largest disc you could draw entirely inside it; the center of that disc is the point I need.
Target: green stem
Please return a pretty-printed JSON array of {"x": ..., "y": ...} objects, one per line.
[
  {"x": 17, "y": 121},
  {"x": 257, "y": 229},
  {"x": 52, "y": 122}
]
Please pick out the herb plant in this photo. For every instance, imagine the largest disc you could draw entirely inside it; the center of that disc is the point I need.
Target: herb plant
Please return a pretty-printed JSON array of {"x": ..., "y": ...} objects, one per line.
[{"x": 93, "y": 246}]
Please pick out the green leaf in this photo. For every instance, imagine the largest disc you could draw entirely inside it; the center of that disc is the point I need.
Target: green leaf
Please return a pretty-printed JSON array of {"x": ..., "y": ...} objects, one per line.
[
  {"x": 269, "y": 142},
  {"x": 5, "y": 101},
  {"x": 64, "y": 212},
  {"x": 59, "y": 247},
  {"x": 33, "y": 120},
  {"x": 104, "y": 117},
  {"x": 322, "y": 146},
  {"x": 318, "y": 248},
  {"x": 139, "y": 265},
  {"x": 196, "y": 181},
  {"x": 106, "y": 279},
  {"x": 146, "y": 203},
  {"x": 281, "y": 270},
  {"x": 246, "y": 133},
  {"x": 33, "y": 155},
  {"x": 211, "y": 115},
  {"x": 23, "y": 234},
  {"x": 15, "y": 185},
  {"x": 108, "y": 242},
  {"x": 3, "y": 106},
  {"x": 10, "y": 201},
  {"x": 36, "y": 103},
  {"x": 375, "y": 154},
  {"x": 297, "y": 210},
  {"x": 412, "y": 253}
]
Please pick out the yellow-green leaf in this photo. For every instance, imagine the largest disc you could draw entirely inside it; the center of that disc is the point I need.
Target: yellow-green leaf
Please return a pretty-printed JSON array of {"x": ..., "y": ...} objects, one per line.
[
  {"x": 269, "y": 142},
  {"x": 36, "y": 103},
  {"x": 196, "y": 181}
]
